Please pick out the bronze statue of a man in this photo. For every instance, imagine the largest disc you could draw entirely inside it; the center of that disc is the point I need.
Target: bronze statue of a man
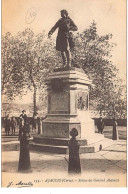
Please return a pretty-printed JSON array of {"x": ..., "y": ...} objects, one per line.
[{"x": 64, "y": 41}]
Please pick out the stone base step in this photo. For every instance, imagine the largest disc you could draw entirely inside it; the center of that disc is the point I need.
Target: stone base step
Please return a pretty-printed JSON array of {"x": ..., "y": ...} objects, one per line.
[
  {"x": 58, "y": 149},
  {"x": 56, "y": 141},
  {"x": 10, "y": 146}
]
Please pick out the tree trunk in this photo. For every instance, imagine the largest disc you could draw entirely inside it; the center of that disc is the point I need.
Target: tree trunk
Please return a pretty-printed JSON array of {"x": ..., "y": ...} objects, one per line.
[
  {"x": 34, "y": 99},
  {"x": 115, "y": 132},
  {"x": 34, "y": 93}
]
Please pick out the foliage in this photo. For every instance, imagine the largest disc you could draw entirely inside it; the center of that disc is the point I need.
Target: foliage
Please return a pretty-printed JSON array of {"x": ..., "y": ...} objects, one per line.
[
  {"x": 26, "y": 60},
  {"x": 93, "y": 54}
]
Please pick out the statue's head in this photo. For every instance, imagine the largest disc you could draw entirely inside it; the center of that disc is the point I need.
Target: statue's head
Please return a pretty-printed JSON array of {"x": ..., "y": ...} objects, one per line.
[{"x": 64, "y": 13}]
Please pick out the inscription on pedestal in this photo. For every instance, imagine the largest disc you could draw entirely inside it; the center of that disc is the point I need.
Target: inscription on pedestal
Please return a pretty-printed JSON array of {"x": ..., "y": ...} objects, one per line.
[
  {"x": 57, "y": 85},
  {"x": 59, "y": 102}
]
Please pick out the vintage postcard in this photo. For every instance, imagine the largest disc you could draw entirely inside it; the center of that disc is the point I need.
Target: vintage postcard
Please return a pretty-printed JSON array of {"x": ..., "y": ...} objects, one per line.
[{"x": 64, "y": 108}]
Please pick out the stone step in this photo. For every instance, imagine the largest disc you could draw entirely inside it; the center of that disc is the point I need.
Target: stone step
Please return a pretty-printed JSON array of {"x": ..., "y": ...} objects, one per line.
[
  {"x": 10, "y": 146},
  {"x": 56, "y": 141},
  {"x": 58, "y": 149}
]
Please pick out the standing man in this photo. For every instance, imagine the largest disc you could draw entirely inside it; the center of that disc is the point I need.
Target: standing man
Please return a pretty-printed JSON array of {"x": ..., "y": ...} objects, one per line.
[
  {"x": 22, "y": 122},
  {"x": 13, "y": 124},
  {"x": 64, "y": 41},
  {"x": 7, "y": 124},
  {"x": 100, "y": 125},
  {"x": 24, "y": 116}
]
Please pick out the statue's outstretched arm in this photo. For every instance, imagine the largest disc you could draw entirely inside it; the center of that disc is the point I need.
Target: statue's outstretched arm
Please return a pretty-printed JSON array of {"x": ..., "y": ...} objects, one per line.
[{"x": 53, "y": 29}]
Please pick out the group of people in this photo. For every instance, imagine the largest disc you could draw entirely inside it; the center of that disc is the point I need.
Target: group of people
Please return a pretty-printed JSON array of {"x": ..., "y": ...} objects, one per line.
[
  {"x": 10, "y": 123},
  {"x": 100, "y": 127}
]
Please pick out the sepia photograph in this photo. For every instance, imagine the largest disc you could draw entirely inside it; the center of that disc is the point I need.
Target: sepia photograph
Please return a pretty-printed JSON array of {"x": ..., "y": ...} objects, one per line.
[{"x": 63, "y": 94}]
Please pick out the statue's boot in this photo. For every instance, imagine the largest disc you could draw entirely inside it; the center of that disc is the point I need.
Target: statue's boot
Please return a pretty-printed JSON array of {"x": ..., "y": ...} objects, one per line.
[
  {"x": 64, "y": 58},
  {"x": 65, "y": 63},
  {"x": 69, "y": 58},
  {"x": 69, "y": 63}
]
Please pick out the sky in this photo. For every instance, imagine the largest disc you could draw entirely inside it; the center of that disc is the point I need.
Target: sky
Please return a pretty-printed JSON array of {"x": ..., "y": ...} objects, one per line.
[{"x": 110, "y": 16}]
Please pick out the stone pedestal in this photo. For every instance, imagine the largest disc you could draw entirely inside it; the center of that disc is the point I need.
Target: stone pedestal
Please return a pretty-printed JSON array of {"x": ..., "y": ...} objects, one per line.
[
  {"x": 68, "y": 107},
  {"x": 68, "y": 104}
]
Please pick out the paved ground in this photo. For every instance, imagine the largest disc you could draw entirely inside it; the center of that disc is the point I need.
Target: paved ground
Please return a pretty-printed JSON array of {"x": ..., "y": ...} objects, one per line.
[
  {"x": 106, "y": 168},
  {"x": 114, "y": 156},
  {"x": 97, "y": 168}
]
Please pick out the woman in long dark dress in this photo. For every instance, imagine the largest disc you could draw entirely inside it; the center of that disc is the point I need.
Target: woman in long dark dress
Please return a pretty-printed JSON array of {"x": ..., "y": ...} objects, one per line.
[
  {"x": 74, "y": 159},
  {"x": 24, "y": 160}
]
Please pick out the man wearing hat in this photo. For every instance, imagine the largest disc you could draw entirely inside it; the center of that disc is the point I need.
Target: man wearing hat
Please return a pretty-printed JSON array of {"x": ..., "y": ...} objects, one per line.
[
  {"x": 22, "y": 122},
  {"x": 24, "y": 116}
]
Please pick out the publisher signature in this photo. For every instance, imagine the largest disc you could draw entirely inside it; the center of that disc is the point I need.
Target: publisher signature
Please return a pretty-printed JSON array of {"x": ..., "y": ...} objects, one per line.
[
  {"x": 31, "y": 15},
  {"x": 20, "y": 184}
]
